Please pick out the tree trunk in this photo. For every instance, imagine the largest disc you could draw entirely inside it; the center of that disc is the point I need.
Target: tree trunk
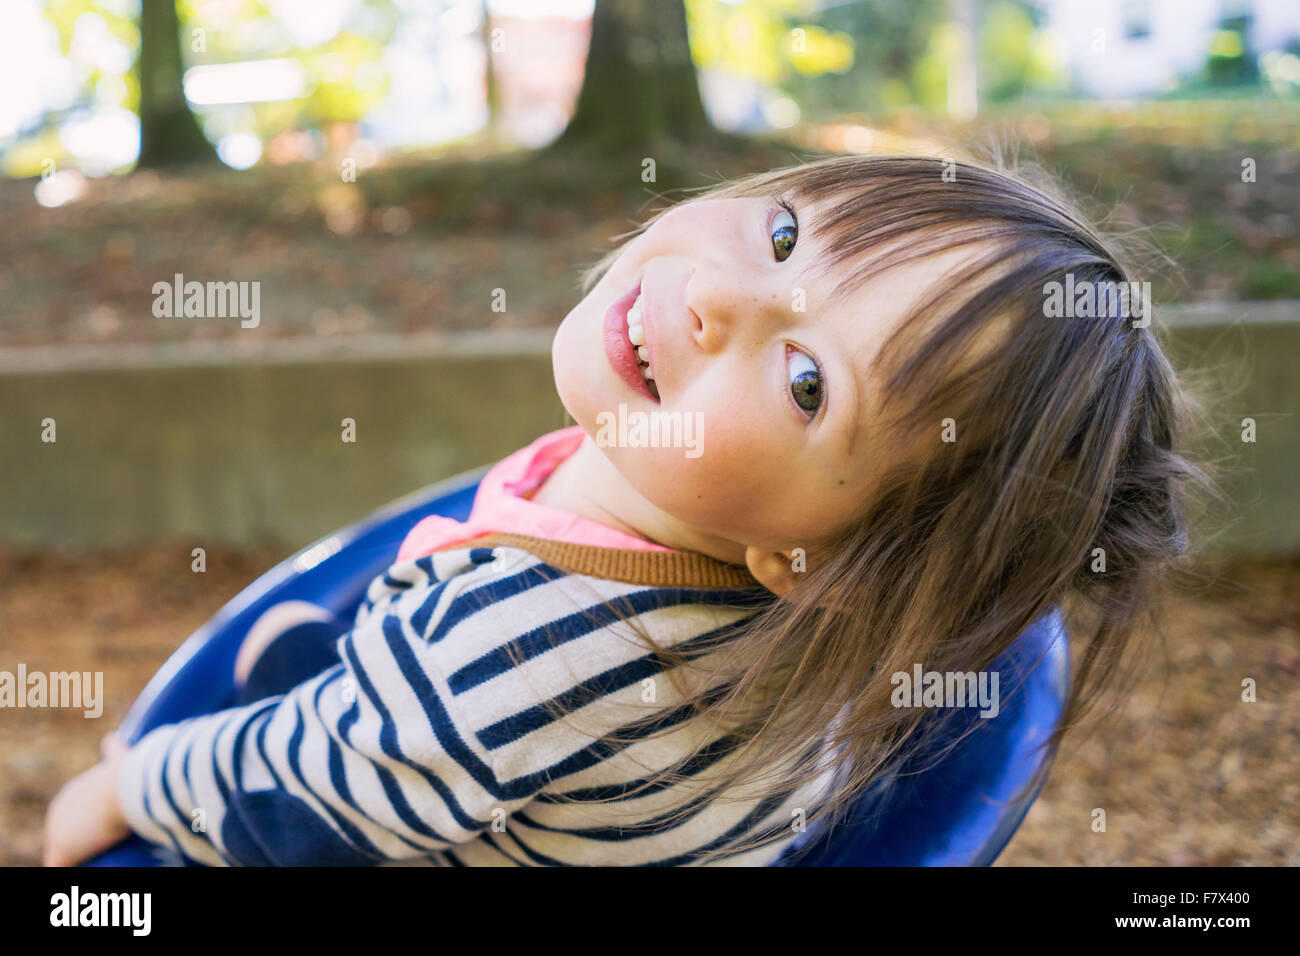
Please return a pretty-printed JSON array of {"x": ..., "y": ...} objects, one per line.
[
  {"x": 640, "y": 86},
  {"x": 491, "y": 85},
  {"x": 169, "y": 133},
  {"x": 963, "y": 82}
]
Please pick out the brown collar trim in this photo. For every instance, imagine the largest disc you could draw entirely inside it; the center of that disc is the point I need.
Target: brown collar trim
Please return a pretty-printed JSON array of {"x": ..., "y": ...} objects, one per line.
[{"x": 683, "y": 569}]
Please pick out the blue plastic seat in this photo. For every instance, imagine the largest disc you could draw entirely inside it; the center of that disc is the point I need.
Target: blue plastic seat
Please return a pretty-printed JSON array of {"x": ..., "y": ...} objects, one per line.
[{"x": 960, "y": 811}]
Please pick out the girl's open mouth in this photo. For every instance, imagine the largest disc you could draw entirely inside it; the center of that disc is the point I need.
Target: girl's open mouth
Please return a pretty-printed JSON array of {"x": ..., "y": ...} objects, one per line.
[{"x": 625, "y": 344}]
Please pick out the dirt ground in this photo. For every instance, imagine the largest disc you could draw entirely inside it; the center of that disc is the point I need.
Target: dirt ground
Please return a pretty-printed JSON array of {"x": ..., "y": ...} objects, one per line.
[
  {"x": 1187, "y": 773},
  {"x": 421, "y": 242}
]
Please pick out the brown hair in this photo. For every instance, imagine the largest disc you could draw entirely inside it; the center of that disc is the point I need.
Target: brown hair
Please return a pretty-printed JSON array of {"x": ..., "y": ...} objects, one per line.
[{"x": 1069, "y": 439}]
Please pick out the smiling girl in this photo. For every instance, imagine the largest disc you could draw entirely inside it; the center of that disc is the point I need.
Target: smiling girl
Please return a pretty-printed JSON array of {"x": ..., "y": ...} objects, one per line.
[{"x": 629, "y": 655}]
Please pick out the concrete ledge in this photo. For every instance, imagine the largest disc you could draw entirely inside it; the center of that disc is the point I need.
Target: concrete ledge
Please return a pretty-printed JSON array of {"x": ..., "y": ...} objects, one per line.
[
  {"x": 220, "y": 449},
  {"x": 149, "y": 357},
  {"x": 239, "y": 442}
]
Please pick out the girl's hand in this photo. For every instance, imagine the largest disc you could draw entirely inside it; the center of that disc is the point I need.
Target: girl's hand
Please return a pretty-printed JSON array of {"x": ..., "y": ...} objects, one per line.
[{"x": 85, "y": 818}]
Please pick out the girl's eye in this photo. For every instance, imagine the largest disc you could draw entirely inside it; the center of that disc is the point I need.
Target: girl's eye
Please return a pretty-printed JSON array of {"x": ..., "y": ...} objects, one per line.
[
  {"x": 805, "y": 381},
  {"x": 784, "y": 233}
]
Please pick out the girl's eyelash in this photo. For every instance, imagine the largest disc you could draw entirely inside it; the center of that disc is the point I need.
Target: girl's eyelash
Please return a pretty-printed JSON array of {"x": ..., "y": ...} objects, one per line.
[
  {"x": 821, "y": 376},
  {"x": 783, "y": 205}
]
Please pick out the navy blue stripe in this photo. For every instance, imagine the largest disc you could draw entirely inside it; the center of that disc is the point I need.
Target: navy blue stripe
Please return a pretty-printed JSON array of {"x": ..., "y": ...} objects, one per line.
[
  {"x": 393, "y": 584},
  {"x": 760, "y": 812},
  {"x": 506, "y": 731},
  {"x": 569, "y": 628},
  {"x": 167, "y": 790},
  {"x": 185, "y": 772},
  {"x": 664, "y": 822},
  {"x": 702, "y": 760},
  {"x": 396, "y": 799},
  {"x": 337, "y": 771},
  {"x": 473, "y": 600},
  {"x": 334, "y": 756},
  {"x": 294, "y": 757},
  {"x": 539, "y": 640},
  {"x": 520, "y": 724},
  {"x": 237, "y": 763},
  {"x": 538, "y": 858},
  {"x": 148, "y": 811},
  {"x": 219, "y": 777},
  {"x": 420, "y": 619},
  {"x": 444, "y": 730},
  {"x": 388, "y": 728},
  {"x": 496, "y": 840},
  {"x": 188, "y": 823},
  {"x": 600, "y": 750},
  {"x": 266, "y": 759},
  {"x": 338, "y": 778}
]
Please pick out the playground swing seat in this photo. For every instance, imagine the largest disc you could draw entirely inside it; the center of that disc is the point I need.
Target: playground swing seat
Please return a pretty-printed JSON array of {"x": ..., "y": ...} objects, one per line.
[{"x": 957, "y": 806}]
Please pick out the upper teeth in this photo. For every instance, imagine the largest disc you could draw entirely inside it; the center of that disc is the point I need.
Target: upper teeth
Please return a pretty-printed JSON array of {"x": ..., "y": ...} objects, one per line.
[
  {"x": 635, "y": 330},
  {"x": 636, "y": 335}
]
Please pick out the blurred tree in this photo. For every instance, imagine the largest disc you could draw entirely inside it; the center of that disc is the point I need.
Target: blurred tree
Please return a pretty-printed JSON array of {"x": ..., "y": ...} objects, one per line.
[
  {"x": 169, "y": 134},
  {"x": 1231, "y": 61},
  {"x": 640, "y": 84},
  {"x": 770, "y": 43},
  {"x": 830, "y": 56},
  {"x": 1015, "y": 53}
]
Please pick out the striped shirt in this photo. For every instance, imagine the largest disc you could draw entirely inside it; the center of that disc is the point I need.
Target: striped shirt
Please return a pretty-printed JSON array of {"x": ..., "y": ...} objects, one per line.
[{"x": 480, "y": 715}]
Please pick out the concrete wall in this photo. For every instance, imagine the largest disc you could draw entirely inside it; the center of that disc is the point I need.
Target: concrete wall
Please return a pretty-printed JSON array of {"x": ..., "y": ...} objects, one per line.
[
  {"x": 226, "y": 448},
  {"x": 1245, "y": 363},
  {"x": 233, "y": 443}
]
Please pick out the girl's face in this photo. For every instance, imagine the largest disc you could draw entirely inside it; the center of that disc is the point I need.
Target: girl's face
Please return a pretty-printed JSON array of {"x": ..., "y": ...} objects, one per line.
[{"x": 771, "y": 388}]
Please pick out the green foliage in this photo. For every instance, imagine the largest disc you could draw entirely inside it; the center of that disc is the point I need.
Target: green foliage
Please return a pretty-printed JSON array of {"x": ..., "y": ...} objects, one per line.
[
  {"x": 850, "y": 57},
  {"x": 757, "y": 40},
  {"x": 1270, "y": 279},
  {"x": 1014, "y": 55},
  {"x": 346, "y": 74},
  {"x": 348, "y": 79},
  {"x": 1231, "y": 62}
]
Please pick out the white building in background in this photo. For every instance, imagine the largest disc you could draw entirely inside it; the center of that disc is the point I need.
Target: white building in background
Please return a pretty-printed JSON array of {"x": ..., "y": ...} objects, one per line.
[{"x": 1121, "y": 48}]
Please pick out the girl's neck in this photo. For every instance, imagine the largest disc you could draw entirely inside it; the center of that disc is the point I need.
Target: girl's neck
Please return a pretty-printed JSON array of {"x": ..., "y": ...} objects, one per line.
[{"x": 587, "y": 484}]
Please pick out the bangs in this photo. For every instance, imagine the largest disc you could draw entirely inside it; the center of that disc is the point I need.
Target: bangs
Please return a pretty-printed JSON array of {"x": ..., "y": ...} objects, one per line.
[{"x": 971, "y": 328}]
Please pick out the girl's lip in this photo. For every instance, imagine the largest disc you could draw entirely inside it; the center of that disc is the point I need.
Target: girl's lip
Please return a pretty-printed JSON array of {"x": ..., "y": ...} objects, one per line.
[{"x": 619, "y": 351}]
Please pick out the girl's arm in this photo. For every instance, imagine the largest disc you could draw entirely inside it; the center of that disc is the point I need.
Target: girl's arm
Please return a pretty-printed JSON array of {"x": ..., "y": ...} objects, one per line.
[
  {"x": 365, "y": 763},
  {"x": 437, "y": 723},
  {"x": 85, "y": 818},
  {"x": 376, "y": 759}
]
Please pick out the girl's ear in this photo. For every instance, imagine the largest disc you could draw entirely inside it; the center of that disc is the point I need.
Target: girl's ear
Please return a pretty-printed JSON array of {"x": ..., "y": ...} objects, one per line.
[{"x": 775, "y": 570}]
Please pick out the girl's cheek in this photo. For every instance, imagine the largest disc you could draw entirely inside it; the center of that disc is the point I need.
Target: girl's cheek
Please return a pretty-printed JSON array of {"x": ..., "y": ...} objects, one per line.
[{"x": 722, "y": 491}]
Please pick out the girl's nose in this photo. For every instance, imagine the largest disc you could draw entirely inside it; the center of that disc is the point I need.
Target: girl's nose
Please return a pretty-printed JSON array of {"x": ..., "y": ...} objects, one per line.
[{"x": 718, "y": 305}]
